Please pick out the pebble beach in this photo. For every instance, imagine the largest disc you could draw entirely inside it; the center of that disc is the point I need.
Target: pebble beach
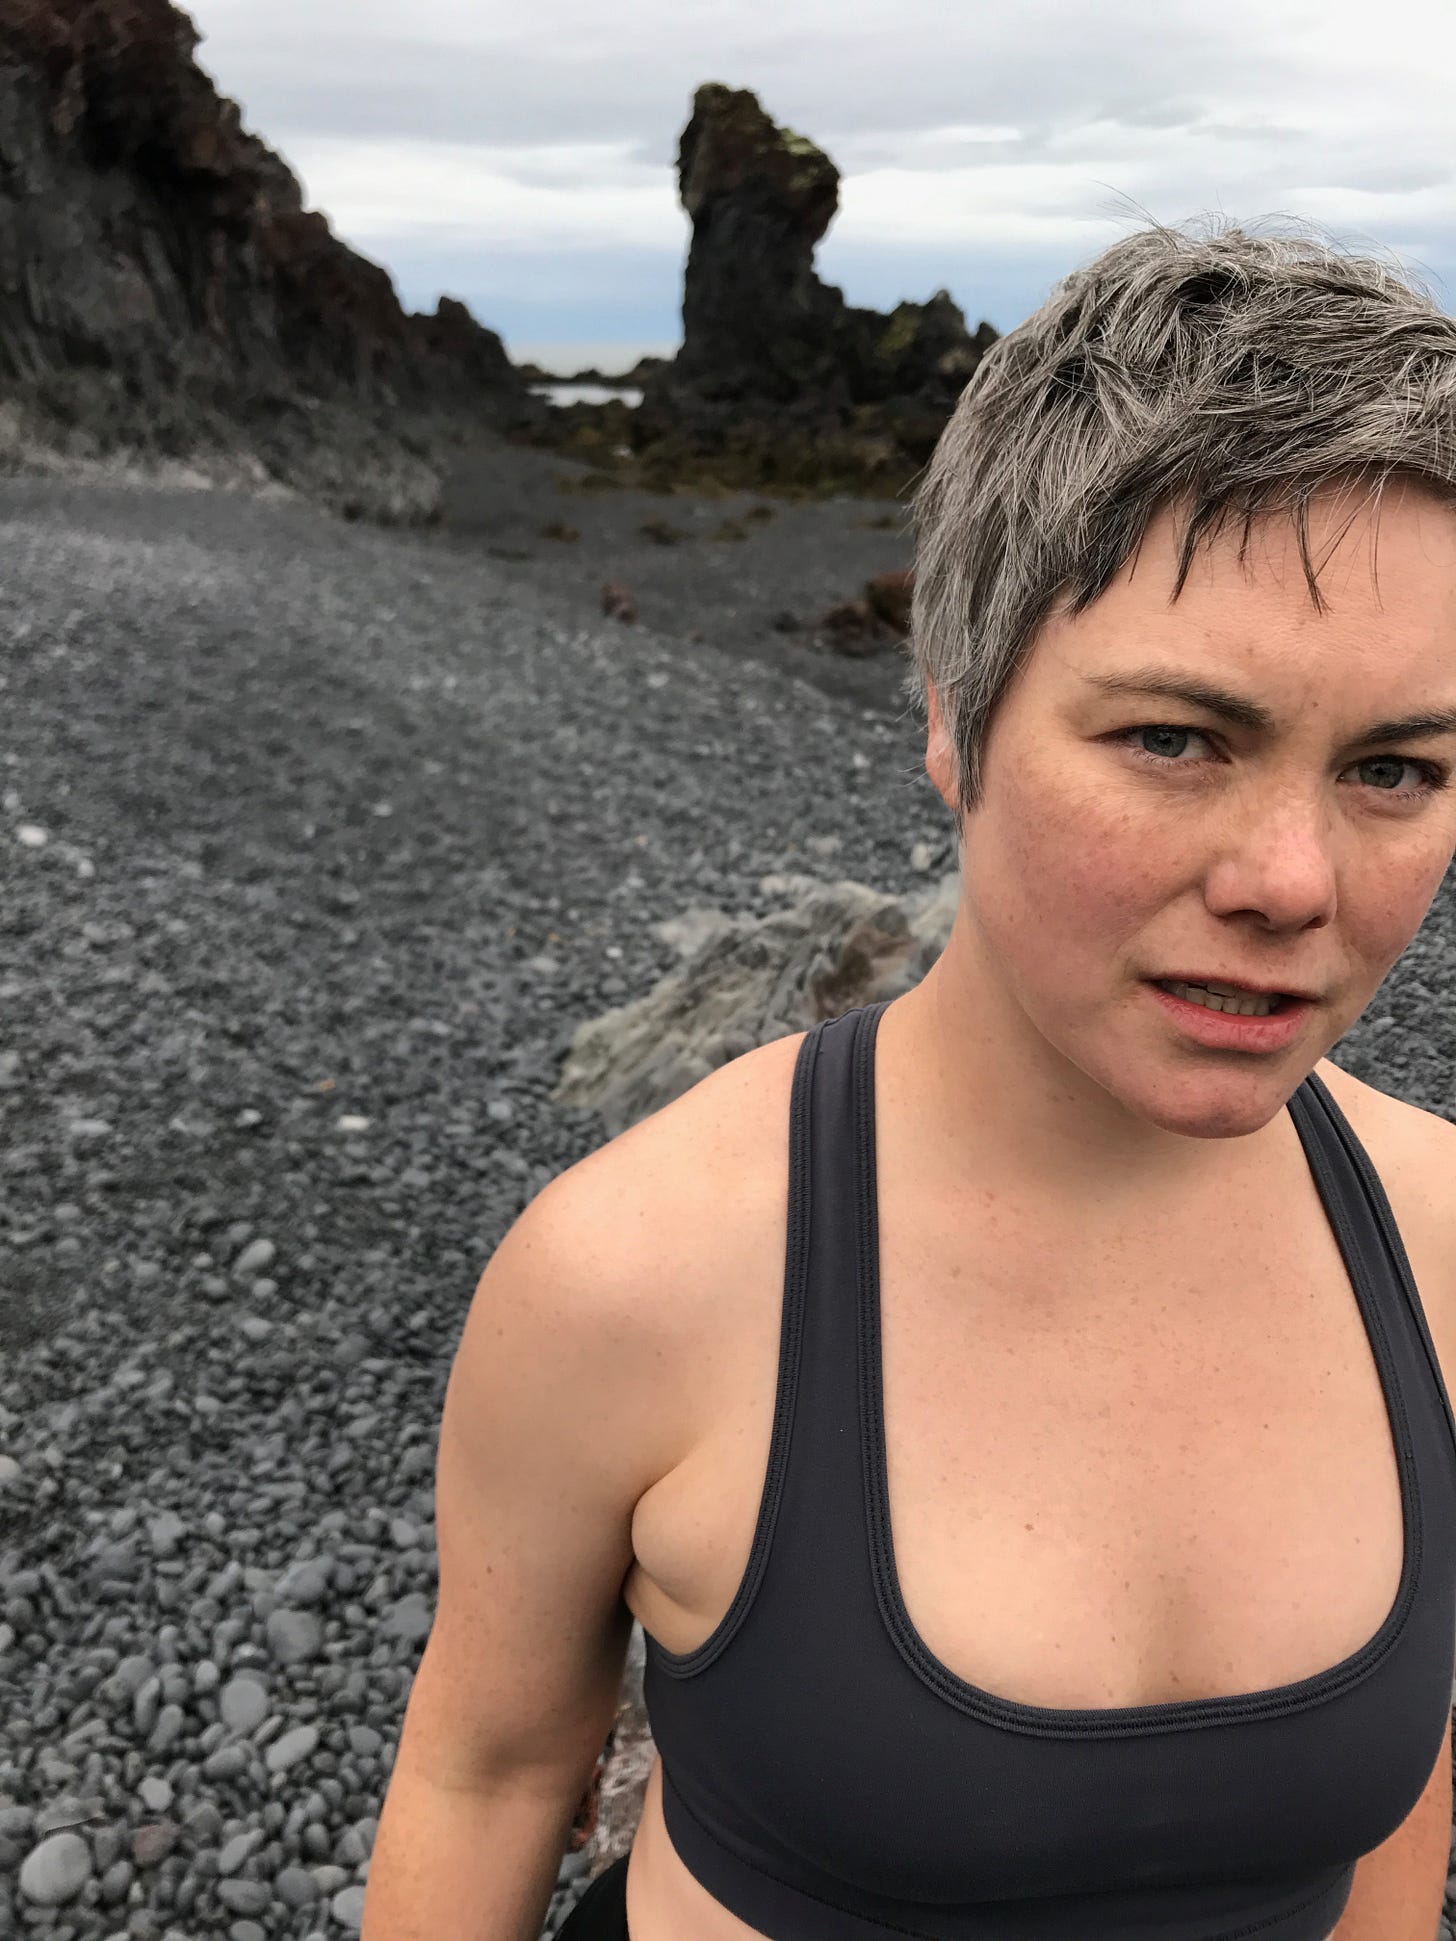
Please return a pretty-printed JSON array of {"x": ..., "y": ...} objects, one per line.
[{"x": 317, "y": 841}]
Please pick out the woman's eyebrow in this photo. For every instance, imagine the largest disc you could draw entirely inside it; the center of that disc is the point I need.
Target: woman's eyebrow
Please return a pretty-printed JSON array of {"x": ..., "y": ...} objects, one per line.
[{"x": 1248, "y": 713}]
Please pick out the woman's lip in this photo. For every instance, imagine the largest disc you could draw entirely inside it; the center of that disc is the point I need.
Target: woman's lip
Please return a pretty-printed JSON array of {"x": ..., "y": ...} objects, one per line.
[
  {"x": 1253, "y": 990},
  {"x": 1228, "y": 1030}
]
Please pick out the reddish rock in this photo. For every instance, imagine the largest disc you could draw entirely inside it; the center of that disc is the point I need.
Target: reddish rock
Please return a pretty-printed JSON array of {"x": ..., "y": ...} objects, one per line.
[
  {"x": 617, "y": 602},
  {"x": 888, "y": 596},
  {"x": 850, "y": 628},
  {"x": 153, "y": 1841},
  {"x": 584, "y": 1824}
]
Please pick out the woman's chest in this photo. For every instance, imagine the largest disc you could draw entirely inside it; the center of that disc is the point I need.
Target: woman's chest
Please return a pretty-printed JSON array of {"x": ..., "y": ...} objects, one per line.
[{"x": 1123, "y": 1466}]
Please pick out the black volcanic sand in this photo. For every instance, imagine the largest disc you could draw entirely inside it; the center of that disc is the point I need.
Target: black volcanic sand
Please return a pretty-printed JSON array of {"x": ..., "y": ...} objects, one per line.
[{"x": 804, "y": 558}]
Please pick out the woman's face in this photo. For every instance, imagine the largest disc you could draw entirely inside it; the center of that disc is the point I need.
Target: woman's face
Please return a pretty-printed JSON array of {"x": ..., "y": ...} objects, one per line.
[{"x": 1301, "y": 855}]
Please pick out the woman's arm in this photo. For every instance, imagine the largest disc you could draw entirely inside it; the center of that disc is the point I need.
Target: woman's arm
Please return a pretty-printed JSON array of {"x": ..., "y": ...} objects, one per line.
[
  {"x": 1401, "y": 1884},
  {"x": 558, "y": 1415}
]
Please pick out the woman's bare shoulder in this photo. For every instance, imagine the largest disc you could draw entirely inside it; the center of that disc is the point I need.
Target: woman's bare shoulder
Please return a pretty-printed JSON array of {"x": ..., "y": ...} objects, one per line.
[
  {"x": 1414, "y": 1153},
  {"x": 680, "y": 1182},
  {"x": 721, "y": 1114},
  {"x": 1414, "y": 1130}
]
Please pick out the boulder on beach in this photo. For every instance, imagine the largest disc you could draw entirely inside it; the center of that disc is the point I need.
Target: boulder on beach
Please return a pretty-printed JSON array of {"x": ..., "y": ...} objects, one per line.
[{"x": 744, "y": 981}]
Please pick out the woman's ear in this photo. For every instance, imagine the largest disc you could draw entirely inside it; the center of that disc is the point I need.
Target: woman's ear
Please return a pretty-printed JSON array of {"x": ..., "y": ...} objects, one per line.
[{"x": 939, "y": 755}]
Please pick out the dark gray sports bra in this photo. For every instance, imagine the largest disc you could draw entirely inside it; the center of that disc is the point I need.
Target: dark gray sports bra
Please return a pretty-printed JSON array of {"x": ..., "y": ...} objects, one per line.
[{"x": 826, "y": 1779}]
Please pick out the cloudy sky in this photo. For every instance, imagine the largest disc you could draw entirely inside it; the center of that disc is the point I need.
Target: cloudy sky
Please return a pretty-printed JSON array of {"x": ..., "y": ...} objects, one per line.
[{"x": 523, "y": 157}]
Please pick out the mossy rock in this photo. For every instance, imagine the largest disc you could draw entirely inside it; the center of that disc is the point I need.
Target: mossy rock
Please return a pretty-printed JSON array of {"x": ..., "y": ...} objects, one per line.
[
  {"x": 899, "y": 333},
  {"x": 583, "y": 485},
  {"x": 863, "y": 460}
]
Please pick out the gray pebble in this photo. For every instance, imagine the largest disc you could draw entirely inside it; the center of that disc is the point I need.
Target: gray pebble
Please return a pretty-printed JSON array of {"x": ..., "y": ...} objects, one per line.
[
  {"x": 305, "y": 1582},
  {"x": 170, "y": 1725},
  {"x": 408, "y": 1617},
  {"x": 257, "y": 1255},
  {"x": 146, "y": 1704},
  {"x": 296, "y": 1887},
  {"x": 243, "y": 1703},
  {"x": 228, "y": 1762},
  {"x": 294, "y": 1637},
  {"x": 166, "y": 1532},
  {"x": 291, "y": 1748},
  {"x": 239, "y": 1850},
  {"x": 347, "y": 1908},
  {"x": 115, "y": 1882},
  {"x": 55, "y": 1871},
  {"x": 244, "y": 1896}
]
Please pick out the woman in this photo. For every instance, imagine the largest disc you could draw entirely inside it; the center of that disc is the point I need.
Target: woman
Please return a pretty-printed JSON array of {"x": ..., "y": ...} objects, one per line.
[{"x": 1079, "y": 1268}]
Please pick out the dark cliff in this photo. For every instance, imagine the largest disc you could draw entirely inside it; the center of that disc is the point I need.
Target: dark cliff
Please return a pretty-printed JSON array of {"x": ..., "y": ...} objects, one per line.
[{"x": 158, "y": 269}]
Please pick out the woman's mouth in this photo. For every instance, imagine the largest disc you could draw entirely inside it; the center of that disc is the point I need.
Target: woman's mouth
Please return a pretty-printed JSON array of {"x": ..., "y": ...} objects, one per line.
[
  {"x": 1222, "y": 1019},
  {"x": 1227, "y": 998}
]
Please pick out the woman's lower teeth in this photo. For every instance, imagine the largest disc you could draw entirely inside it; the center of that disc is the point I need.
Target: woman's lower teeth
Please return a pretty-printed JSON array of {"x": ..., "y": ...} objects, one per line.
[{"x": 1244, "y": 1007}]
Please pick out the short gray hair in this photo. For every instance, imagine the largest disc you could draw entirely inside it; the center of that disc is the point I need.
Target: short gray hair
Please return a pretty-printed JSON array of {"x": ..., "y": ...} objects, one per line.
[{"x": 1230, "y": 373}]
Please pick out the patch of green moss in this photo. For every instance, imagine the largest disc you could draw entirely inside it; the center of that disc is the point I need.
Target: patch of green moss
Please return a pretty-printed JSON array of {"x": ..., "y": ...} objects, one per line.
[
  {"x": 865, "y": 459},
  {"x": 899, "y": 333},
  {"x": 578, "y": 485}
]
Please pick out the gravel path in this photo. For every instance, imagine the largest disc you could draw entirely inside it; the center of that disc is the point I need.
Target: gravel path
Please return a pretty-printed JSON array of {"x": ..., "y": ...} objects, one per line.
[{"x": 316, "y": 842}]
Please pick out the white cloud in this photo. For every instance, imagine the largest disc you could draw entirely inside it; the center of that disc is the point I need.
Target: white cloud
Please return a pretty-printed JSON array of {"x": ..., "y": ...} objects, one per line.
[
  {"x": 546, "y": 199},
  {"x": 503, "y": 150}
]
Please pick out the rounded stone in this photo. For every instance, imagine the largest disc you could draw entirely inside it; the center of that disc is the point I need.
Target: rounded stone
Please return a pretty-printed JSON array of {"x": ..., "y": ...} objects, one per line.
[
  {"x": 55, "y": 1871},
  {"x": 296, "y": 1887},
  {"x": 347, "y": 1908},
  {"x": 291, "y": 1748},
  {"x": 294, "y": 1637},
  {"x": 242, "y": 1703},
  {"x": 244, "y": 1896}
]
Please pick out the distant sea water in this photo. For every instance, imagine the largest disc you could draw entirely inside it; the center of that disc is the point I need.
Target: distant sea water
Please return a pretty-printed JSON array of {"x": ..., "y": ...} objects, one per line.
[{"x": 586, "y": 394}]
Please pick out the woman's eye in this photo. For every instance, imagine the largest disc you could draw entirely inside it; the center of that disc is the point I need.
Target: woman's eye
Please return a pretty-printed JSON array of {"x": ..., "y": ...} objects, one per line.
[
  {"x": 1164, "y": 744},
  {"x": 1431, "y": 776},
  {"x": 1162, "y": 734}
]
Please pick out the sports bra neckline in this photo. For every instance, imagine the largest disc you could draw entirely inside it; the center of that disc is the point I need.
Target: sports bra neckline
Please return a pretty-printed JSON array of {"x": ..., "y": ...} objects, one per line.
[{"x": 1074, "y": 1721}]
